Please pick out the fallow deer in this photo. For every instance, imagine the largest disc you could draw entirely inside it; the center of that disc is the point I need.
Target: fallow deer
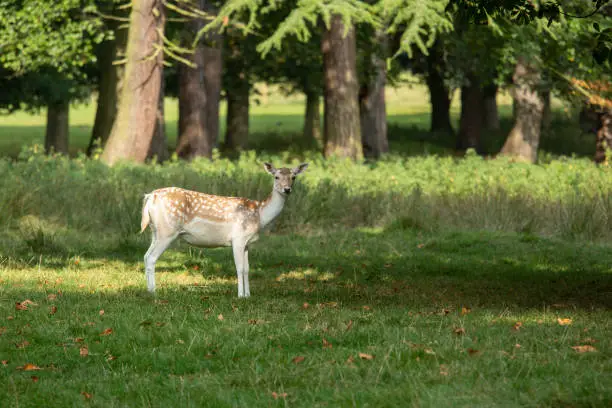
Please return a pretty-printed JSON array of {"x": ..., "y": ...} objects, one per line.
[{"x": 211, "y": 221}]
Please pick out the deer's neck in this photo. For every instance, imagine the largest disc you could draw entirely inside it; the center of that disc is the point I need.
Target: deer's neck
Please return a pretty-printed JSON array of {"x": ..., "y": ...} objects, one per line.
[{"x": 271, "y": 208}]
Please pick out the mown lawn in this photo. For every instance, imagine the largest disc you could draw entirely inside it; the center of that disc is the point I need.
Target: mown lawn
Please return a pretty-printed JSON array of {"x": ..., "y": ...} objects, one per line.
[{"x": 369, "y": 317}]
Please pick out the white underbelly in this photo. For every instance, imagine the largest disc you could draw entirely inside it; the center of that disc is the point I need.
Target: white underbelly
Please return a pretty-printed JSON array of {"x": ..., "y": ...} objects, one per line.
[{"x": 207, "y": 234}]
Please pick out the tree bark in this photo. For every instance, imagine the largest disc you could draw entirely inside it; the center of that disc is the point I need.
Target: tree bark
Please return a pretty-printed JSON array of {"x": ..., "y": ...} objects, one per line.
[
  {"x": 604, "y": 136},
  {"x": 491, "y": 113},
  {"x": 312, "y": 118},
  {"x": 193, "y": 140},
  {"x": 213, "y": 69},
  {"x": 159, "y": 143},
  {"x": 237, "y": 128},
  {"x": 137, "y": 114},
  {"x": 524, "y": 138},
  {"x": 472, "y": 112},
  {"x": 342, "y": 131},
  {"x": 439, "y": 94},
  {"x": 373, "y": 111},
  {"x": 56, "y": 134},
  {"x": 109, "y": 87},
  {"x": 546, "y": 111}
]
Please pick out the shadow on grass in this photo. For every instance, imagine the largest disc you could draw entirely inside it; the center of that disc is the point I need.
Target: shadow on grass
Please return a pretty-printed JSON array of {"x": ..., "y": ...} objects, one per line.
[{"x": 395, "y": 267}]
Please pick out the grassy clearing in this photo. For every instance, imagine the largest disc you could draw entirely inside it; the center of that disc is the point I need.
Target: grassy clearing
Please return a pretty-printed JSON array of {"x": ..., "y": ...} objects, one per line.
[{"x": 413, "y": 281}]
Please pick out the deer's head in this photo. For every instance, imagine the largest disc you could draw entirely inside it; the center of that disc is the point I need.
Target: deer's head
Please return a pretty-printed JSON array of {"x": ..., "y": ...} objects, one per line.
[{"x": 284, "y": 177}]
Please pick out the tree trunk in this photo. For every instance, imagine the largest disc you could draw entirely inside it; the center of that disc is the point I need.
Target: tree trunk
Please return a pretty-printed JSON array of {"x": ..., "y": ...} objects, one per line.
[
  {"x": 312, "y": 118},
  {"x": 137, "y": 114},
  {"x": 439, "y": 94},
  {"x": 342, "y": 131},
  {"x": 56, "y": 134},
  {"x": 159, "y": 143},
  {"x": 373, "y": 111},
  {"x": 193, "y": 140},
  {"x": 213, "y": 69},
  {"x": 491, "y": 113},
  {"x": 237, "y": 129},
  {"x": 109, "y": 87},
  {"x": 472, "y": 112},
  {"x": 546, "y": 111},
  {"x": 604, "y": 136},
  {"x": 524, "y": 137}
]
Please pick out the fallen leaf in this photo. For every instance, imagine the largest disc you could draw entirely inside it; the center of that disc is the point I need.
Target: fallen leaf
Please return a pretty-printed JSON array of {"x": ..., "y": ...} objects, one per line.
[
  {"x": 445, "y": 312},
  {"x": 78, "y": 339},
  {"x": 34, "y": 378},
  {"x": 20, "y": 306},
  {"x": 255, "y": 321},
  {"x": 420, "y": 246},
  {"x": 28, "y": 302},
  {"x": 107, "y": 332},
  {"x": 584, "y": 349},
  {"x": 305, "y": 305},
  {"x": 298, "y": 359},
  {"x": 29, "y": 367},
  {"x": 179, "y": 341},
  {"x": 23, "y": 344},
  {"x": 281, "y": 395},
  {"x": 349, "y": 325},
  {"x": 4, "y": 362},
  {"x": 10, "y": 317},
  {"x": 517, "y": 346},
  {"x": 465, "y": 310},
  {"x": 2, "y": 330},
  {"x": 564, "y": 322},
  {"x": 86, "y": 395},
  {"x": 53, "y": 310},
  {"x": 517, "y": 326},
  {"x": 350, "y": 360},
  {"x": 220, "y": 317},
  {"x": 366, "y": 308},
  {"x": 429, "y": 351},
  {"x": 365, "y": 356},
  {"x": 110, "y": 358},
  {"x": 101, "y": 312},
  {"x": 472, "y": 351},
  {"x": 443, "y": 370},
  {"x": 84, "y": 351},
  {"x": 327, "y": 344},
  {"x": 52, "y": 296},
  {"x": 459, "y": 331},
  {"x": 589, "y": 340}
]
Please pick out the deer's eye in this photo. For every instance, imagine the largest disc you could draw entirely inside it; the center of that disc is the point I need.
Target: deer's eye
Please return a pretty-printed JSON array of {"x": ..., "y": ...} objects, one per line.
[
  {"x": 276, "y": 177},
  {"x": 293, "y": 178}
]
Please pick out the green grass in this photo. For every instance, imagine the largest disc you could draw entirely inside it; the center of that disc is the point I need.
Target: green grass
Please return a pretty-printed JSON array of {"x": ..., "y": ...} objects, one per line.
[
  {"x": 451, "y": 274},
  {"x": 396, "y": 295}
]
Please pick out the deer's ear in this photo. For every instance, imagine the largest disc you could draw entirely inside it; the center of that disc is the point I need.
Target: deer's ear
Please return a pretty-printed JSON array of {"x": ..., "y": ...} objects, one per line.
[
  {"x": 299, "y": 169},
  {"x": 269, "y": 168}
]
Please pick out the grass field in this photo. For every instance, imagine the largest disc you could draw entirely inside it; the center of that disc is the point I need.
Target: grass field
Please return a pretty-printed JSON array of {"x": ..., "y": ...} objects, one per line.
[{"x": 414, "y": 281}]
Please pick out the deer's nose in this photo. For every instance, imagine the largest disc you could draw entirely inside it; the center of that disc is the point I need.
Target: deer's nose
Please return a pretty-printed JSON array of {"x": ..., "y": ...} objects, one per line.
[{"x": 287, "y": 190}]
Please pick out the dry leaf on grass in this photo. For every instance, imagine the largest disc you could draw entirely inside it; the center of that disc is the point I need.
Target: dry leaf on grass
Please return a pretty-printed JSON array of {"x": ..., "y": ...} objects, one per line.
[
  {"x": 28, "y": 302},
  {"x": 305, "y": 305},
  {"x": 473, "y": 352},
  {"x": 443, "y": 370},
  {"x": 23, "y": 344},
  {"x": 220, "y": 317},
  {"x": 20, "y": 306},
  {"x": 107, "y": 332},
  {"x": 29, "y": 367},
  {"x": 276, "y": 395},
  {"x": 101, "y": 312},
  {"x": 459, "y": 331},
  {"x": 298, "y": 359},
  {"x": 365, "y": 356},
  {"x": 465, "y": 310},
  {"x": 84, "y": 351},
  {"x": 584, "y": 349},
  {"x": 349, "y": 325},
  {"x": 350, "y": 360},
  {"x": 327, "y": 344},
  {"x": 53, "y": 310},
  {"x": 517, "y": 326},
  {"x": 564, "y": 322},
  {"x": 86, "y": 395},
  {"x": 79, "y": 339},
  {"x": 34, "y": 378},
  {"x": 4, "y": 362},
  {"x": 52, "y": 296}
]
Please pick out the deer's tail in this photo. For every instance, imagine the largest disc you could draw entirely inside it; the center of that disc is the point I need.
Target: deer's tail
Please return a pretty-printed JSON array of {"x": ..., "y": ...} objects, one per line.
[{"x": 145, "y": 213}]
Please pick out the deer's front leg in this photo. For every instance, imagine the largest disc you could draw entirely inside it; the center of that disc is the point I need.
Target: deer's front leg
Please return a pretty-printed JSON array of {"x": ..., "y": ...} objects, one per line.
[
  {"x": 239, "y": 248},
  {"x": 245, "y": 274}
]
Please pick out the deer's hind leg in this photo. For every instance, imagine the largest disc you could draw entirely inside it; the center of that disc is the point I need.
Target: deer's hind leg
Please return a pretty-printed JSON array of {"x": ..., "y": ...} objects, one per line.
[{"x": 159, "y": 243}]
